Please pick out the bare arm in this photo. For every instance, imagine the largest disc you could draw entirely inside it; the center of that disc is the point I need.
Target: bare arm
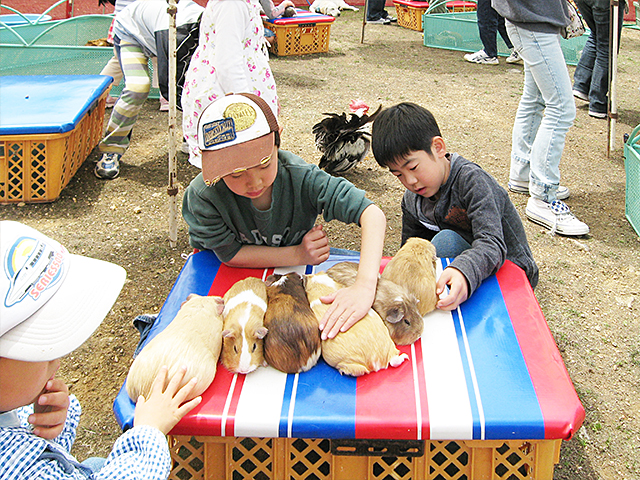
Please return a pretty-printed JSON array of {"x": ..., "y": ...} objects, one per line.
[{"x": 350, "y": 304}]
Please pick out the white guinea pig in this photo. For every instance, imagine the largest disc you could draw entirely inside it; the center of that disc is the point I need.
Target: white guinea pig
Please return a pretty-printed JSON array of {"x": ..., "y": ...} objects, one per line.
[
  {"x": 414, "y": 267},
  {"x": 365, "y": 347},
  {"x": 397, "y": 307},
  {"x": 244, "y": 306},
  {"x": 292, "y": 343},
  {"x": 193, "y": 338}
]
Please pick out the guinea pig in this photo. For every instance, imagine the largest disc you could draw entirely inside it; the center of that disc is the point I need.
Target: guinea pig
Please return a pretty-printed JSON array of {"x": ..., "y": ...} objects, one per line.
[
  {"x": 414, "y": 267},
  {"x": 397, "y": 307},
  {"x": 292, "y": 343},
  {"x": 193, "y": 338},
  {"x": 365, "y": 347},
  {"x": 244, "y": 306}
]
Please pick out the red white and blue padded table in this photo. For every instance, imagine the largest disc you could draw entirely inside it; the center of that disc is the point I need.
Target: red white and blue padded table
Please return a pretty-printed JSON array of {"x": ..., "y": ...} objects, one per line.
[{"x": 489, "y": 370}]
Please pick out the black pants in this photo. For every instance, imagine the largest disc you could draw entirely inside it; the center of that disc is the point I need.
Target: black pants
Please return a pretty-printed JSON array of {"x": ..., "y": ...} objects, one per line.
[{"x": 489, "y": 24}]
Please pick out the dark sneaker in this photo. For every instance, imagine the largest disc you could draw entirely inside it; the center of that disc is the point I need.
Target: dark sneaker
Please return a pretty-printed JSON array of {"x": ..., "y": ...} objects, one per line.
[
  {"x": 523, "y": 187},
  {"x": 581, "y": 96},
  {"x": 108, "y": 167}
]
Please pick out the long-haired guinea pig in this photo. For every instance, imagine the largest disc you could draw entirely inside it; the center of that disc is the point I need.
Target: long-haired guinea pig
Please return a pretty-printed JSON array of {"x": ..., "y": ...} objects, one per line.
[
  {"x": 292, "y": 343},
  {"x": 244, "y": 306},
  {"x": 365, "y": 347},
  {"x": 397, "y": 307},
  {"x": 193, "y": 338},
  {"x": 414, "y": 267}
]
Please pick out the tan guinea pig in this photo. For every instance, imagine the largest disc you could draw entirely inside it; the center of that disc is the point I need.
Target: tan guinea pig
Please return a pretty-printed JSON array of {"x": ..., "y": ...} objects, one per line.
[
  {"x": 292, "y": 343},
  {"x": 397, "y": 307},
  {"x": 193, "y": 338},
  {"x": 244, "y": 306},
  {"x": 365, "y": 347},
  {"x": 414, "y": 267}
]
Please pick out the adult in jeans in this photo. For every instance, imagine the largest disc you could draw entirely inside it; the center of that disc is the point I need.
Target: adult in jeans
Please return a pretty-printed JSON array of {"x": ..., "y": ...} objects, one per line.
[
  {"x": 545, "y": 113},
  {"x": 591, "y": 78},
  {"x": 377, "y": 14},
  {"x": 490, "y": 23}
]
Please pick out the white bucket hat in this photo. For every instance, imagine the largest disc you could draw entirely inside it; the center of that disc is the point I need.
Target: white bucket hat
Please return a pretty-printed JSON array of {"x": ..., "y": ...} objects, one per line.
[{"x": 50, "y": 301}]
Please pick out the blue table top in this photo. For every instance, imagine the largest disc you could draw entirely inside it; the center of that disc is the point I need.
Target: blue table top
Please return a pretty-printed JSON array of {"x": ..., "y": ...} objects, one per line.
[{"x": 47, "y": 103}]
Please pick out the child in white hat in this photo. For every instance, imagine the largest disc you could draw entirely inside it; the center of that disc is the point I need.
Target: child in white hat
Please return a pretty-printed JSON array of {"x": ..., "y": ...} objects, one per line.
[{"x": 51, "y": 302}]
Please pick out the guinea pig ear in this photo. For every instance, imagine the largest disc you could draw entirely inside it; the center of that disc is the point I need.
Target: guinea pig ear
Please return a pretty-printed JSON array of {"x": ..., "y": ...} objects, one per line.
[
  {"x": 228, "y": 334},
  {"x": 219, "y": 305},
  {"x": 394, "y": 315},
  {"x": 269, "y": 280},
  {"x": 261, "y": 332}
]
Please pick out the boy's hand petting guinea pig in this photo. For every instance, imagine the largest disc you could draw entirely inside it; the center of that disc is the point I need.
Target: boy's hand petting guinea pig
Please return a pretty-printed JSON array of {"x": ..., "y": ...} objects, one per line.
[
  {"x": 314, "y": 248},
  {"x": 164, "y": 409},
  {"x": 348, "y": 305},
  {"x": 458, "y": 289}
]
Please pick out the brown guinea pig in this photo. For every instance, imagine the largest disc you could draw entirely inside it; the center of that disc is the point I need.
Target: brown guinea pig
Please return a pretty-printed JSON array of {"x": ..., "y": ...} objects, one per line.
[
  {"x": 292, "y": 343},
  {"x": 397, "y": 307},
  {"x": 244, "y": 306},
  {"x": 414, "y": 267},
  {"x": 193, "y": 338},
  {"x": 365, "y": 347}
]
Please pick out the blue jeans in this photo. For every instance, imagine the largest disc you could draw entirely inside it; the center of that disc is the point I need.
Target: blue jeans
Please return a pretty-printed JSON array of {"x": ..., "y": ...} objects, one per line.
[
  {"x": 545, "y": 113},
  {"x": 375, "y": 10},
  {"x": 449, "y": 244},
  {"x": 94, "y": 463},
  {"x": 489, "y": 24},
  {"x": 592, "y": 72}
]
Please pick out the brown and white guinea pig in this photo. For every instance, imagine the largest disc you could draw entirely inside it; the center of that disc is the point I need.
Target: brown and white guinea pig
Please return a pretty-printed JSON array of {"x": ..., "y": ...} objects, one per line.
[
  {"x": 397, "y": 307},
  {"x": 414, "y": 267},
  {"x": 292, "y": 343},
  {"x": 193, "y": 338},
  {"x": 365, "y": 347},
  {"x": 244, "y": 306}
]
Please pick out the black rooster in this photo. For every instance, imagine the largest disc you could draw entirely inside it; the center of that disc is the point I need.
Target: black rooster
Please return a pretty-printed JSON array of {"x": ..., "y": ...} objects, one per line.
[{"x": 344, "y": 141}]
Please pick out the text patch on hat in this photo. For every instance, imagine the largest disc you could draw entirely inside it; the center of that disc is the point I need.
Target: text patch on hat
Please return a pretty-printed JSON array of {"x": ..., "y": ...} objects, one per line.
[
  {"x": 243, "y": 115},
  {"x": 218, "y": 131}
]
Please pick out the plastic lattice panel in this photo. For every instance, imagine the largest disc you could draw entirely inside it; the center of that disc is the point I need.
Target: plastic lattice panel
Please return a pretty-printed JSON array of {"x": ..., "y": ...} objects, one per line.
[
  {"x": 187, "y": 454},
  {"x": 410, "y": 17},
  {"x": 309, "y": 459},
  {"x": 301, "y": 39},
  {"x": 514, "y": 461},
  {"x": 251, "y": 459},
  {"x": 449, "y": 461},
  {"x": 392, "y": 468}
]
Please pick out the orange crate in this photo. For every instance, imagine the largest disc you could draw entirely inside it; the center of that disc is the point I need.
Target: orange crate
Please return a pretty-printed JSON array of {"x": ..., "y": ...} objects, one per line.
[
  {"x": 36, "y": 167},
  {"x": 410, "y": 13},
  {"x": 305, "y": 33},
  {"x": 219, "y": 458}
]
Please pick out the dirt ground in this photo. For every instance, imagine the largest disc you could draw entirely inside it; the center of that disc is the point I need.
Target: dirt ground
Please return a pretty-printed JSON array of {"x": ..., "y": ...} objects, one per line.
[{"x": 588, "y": 289}]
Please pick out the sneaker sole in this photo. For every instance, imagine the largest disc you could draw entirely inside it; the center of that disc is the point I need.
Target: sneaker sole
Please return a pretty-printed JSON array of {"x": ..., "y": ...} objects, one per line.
[
  {"x": 559, "y": 229},
  {"x": 482, "y": 63},
  {"x": 560, "y": 195},
  {"x": 580, "y": 96}
]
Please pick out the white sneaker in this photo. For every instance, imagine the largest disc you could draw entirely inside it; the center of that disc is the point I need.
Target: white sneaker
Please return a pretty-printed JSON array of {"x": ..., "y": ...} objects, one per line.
[
  {"x": 514, "y": 57},
  {"x": 555, "y": 216},
  {"x": 582, "y": 96},
  {"x": 482, "y": 58},
  {"x": 517, "y": 186}
]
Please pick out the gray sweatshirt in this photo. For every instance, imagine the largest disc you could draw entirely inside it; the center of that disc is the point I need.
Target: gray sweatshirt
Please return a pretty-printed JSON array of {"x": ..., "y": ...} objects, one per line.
[
  {"x": 475, "y": 206},
  {"x": 547, "y": 16}
]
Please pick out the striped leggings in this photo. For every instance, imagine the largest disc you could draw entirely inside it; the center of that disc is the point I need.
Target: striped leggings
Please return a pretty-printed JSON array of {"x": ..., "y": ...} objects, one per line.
[{"x": 134, "y": 65}]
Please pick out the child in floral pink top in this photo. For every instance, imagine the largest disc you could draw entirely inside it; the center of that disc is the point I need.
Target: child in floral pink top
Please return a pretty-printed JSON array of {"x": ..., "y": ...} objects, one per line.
[{"x": 231, "y": 58}]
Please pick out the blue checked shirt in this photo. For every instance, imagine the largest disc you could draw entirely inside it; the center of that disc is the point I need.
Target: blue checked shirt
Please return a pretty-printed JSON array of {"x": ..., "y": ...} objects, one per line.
[{"x": 140, "y": 453}]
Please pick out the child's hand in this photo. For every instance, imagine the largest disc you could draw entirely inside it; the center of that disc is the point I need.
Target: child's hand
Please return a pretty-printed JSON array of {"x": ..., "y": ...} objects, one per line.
[
  {"x": 348, "y": 306},
  {"x": 50, "y": 410},
  {"x": 458, "y": 289},
  {"x": 314, "y": 247},
  {"x": 286, "y": 3},
  {"x": 164, "y": 409}
]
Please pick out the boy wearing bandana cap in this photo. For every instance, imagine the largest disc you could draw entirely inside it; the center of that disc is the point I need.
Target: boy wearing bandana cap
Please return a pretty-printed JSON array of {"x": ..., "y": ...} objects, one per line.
[{"x": 255, "y": 205}]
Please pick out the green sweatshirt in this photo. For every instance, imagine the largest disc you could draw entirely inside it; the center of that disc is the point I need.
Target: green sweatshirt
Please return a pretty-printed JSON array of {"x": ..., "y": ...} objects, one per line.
[{"x": 222, "y": 221}]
